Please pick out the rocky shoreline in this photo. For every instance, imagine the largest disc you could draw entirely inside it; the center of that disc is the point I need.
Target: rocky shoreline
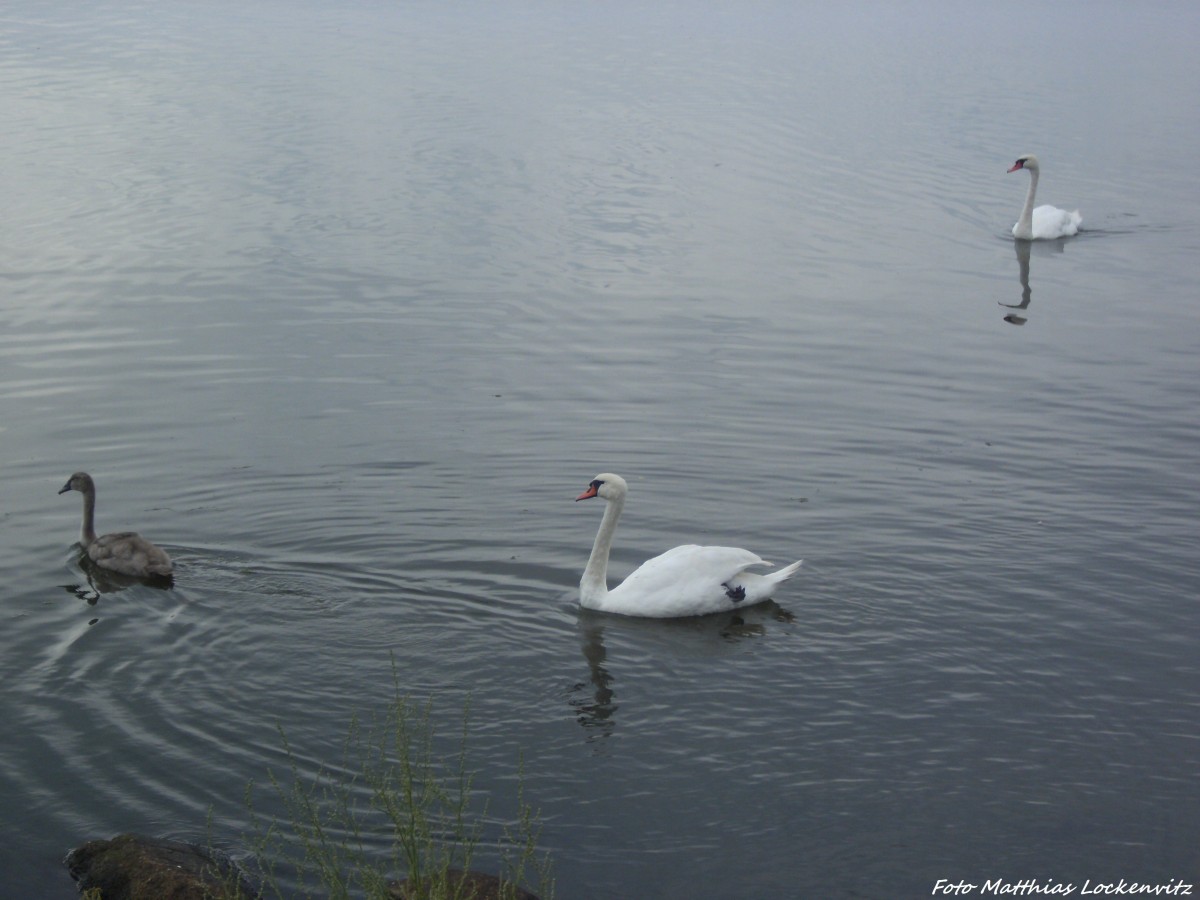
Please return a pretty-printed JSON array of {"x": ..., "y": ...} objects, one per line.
[{"x": 136, "y": 867}]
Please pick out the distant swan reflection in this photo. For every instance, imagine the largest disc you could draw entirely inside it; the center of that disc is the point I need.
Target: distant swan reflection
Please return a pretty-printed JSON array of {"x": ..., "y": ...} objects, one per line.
[
  {"x": 102, "y": 581},
  {"x": 594, "y": 700},
  {"x": 1023, "y": 248}
]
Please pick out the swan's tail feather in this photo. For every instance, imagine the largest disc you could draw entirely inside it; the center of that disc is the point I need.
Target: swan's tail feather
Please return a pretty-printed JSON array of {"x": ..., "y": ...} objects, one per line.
[{"x": 785, "y": 573}]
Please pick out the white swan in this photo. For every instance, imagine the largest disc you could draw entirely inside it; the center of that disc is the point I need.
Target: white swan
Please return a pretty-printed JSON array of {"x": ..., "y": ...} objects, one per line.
[
  {"x": 685, "y": 581},
  {"x": 1046, "y": 222},
  {"x": 125, "y": 552}
]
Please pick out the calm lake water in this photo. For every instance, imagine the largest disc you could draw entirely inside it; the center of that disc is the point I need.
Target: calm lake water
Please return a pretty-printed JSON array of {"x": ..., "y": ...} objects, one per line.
[{"x": 343, "y": 304}]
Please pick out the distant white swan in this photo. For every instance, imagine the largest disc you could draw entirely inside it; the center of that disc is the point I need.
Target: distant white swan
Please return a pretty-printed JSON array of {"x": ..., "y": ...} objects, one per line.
[
  {"x": 126, "y": 552},
  {"x": 685, "y": 581},
  {"x": 1046, "y": 222}
]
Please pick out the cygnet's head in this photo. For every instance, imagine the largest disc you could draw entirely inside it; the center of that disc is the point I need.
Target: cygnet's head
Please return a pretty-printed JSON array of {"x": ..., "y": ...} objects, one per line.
[
  {"x": 80, "y": 481},
  {"x": 1028, "y": 161},
  {"x": 606, "y": 486}
]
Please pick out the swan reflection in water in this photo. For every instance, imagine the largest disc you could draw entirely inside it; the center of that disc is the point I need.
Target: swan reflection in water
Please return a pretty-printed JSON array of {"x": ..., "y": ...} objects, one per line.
[
  {"x": 104, "y": 581},
  {"x": 594, "y": 700},
  {"x": 1024, "y": 249}
]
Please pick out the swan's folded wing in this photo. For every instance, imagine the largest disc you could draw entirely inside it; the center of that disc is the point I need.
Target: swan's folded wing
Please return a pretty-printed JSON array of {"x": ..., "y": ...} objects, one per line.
[
  {"x": 129, "y": 553},
  {"x": 1050, "y": 222},
  {"x": 118, "y": 543},
  {"x": 690, "y": 570}
]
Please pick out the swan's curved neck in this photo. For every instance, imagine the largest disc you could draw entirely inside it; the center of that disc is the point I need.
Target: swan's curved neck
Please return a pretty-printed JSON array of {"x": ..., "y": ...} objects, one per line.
[
  {"x": 594, "y": 583},
  {"x": 1025, "y": 223},
  {"x": 87, "y": 533}
]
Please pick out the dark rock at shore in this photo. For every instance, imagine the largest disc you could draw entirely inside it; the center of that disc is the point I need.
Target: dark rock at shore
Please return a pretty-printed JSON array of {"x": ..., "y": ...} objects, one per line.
[
  {"x": 133, "y": 867},
  {"x": 470, "y": 886}
]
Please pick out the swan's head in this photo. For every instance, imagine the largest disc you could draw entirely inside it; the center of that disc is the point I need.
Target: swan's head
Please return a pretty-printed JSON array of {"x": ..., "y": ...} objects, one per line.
[
  {"x": 606, "y": 486},
  {"x": 1028, "y": 161},
  {"x": 80, "y": 481}
]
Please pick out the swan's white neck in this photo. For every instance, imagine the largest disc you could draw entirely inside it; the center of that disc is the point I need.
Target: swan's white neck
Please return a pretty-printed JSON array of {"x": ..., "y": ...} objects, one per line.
[
  {"x": 593, "y": 586},
  {"x": 1024, "y": 227}
]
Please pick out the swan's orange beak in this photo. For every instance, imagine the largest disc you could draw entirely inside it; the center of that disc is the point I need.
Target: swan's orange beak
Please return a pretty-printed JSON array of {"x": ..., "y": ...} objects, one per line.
[
  {"x": 590, "y": 492},
  {"x": 1017, "y": 165}
]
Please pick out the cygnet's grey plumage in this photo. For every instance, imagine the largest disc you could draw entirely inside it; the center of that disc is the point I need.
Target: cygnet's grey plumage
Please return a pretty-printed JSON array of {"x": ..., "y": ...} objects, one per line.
[{"x": 124, "y": 552}]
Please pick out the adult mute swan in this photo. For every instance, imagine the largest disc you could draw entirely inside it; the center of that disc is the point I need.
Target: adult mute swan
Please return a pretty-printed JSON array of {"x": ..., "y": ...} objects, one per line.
[
  {"x": 125, "y": 552},
  {"x": 685, "y": 581},
  {"x": 1046, "y": 222}
]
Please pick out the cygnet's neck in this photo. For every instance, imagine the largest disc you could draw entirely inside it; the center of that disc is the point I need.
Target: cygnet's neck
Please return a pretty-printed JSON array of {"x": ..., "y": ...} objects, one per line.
[
  {"x": 594, "y": 583},
  {"x": 87, "y": 533}
]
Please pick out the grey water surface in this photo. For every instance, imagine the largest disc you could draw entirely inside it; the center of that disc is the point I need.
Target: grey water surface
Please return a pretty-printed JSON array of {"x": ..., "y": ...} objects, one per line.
[{"x": 344, "y": 303}]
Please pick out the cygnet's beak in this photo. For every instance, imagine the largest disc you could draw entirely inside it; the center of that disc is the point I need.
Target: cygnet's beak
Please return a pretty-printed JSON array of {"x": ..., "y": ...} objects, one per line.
[{"x": 66, "y": 487}]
